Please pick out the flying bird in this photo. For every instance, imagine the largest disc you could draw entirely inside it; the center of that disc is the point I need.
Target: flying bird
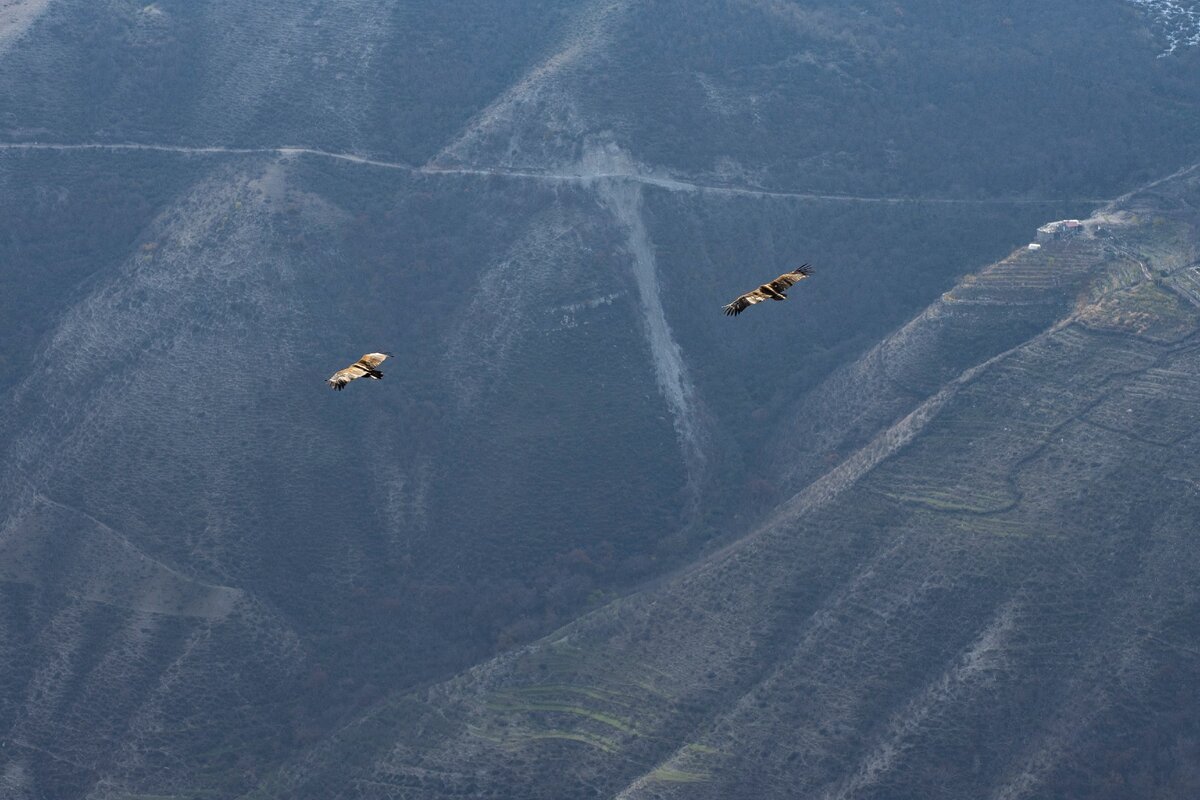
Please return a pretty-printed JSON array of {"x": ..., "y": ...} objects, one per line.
[
  {"x": 364, "y": 366},
  {"x": 775, "y": 290}
]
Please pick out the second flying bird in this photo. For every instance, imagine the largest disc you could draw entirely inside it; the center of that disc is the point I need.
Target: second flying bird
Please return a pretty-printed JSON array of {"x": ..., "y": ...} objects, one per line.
[{"x": 775, "y": 290}]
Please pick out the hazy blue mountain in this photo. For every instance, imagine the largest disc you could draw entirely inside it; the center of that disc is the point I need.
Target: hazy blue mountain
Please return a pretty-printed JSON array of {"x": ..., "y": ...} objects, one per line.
[{"x": 588, "y": 535}]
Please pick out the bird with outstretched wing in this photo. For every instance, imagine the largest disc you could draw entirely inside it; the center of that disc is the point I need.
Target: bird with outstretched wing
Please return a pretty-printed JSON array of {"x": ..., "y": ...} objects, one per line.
[
  {"x": 775, "y": 290},
  {"x": 365, "y": 366}
]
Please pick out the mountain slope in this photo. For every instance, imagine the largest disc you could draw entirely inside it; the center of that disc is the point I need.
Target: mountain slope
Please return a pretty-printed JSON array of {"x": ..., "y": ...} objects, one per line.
[
  {"x": 988, "y": 598},
  {"x": 207, "y": 206}
]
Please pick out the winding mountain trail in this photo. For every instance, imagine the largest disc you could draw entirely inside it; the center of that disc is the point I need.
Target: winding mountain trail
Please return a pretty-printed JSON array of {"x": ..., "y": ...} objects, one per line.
[{"x": 653, "y": 180}]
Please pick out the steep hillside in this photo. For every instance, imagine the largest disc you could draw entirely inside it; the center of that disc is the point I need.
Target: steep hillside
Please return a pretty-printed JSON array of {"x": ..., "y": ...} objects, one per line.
[
  {"x": 559, "y": 425},
  {"x": 990, "y": 594},
  {"x": 210, "y": 564}
]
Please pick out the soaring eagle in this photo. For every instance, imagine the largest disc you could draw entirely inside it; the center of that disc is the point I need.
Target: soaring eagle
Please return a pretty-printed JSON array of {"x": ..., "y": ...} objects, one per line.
[
  {"x": 364, "y": 366},
  {"x": 775, "y": 290}
]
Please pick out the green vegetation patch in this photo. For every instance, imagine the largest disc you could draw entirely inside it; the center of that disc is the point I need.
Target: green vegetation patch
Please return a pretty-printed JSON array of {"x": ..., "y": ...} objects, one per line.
[
  {"x": 1147, "y": 309},
  {"x": 517, "y": 706},
  {"x": 956, "y": 501},
  {"x": 594, "y": 693},
  {"x": 981, "y": 525},
  {"x": 667, "y": 775},
  {"x": 515, "y": 736},
  {"x": 598, "y": 742},
  {"x": 1115, "y": 275}
]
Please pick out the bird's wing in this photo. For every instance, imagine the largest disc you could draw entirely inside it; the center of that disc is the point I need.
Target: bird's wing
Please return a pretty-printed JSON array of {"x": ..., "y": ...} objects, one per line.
[
  {"x": 744, "y": 302},
  {"x": 791, "y": 278},
  {"x": 343, "y": 376},
  {"x": 371, "y": 360},
  {"x": 364, "y": 366}
]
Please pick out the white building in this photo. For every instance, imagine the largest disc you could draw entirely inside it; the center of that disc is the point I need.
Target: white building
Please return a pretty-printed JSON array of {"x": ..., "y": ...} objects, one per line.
[{"x": 1059, "y": 230}]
